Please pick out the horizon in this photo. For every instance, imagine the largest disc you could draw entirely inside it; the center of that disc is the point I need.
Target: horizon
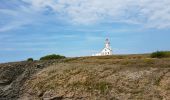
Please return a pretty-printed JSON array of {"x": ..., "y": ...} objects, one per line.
[{"x": 74, "y": 28}]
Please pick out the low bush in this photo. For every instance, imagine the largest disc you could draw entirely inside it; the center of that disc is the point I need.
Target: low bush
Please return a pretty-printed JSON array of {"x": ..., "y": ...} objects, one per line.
[
  {"x": 160, "y": 54},
  {"x": 30, "y": 59},
  {"x": 52, "y": 57}
]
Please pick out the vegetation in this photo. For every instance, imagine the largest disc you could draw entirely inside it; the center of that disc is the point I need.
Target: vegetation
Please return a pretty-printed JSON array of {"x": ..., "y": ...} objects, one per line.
[
  {"x": 114, "y": 77},
  {"x": 52, "y": 57},
  {"x": 104, "y": 77},
  {"x": 160, "y": 54},
  {"x": 103, "y": 86},
  {"x": 30, "y": 59}
]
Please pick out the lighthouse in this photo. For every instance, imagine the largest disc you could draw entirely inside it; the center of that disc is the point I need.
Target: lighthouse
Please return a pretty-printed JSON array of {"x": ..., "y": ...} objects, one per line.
[{"x": 107, "y": 50}]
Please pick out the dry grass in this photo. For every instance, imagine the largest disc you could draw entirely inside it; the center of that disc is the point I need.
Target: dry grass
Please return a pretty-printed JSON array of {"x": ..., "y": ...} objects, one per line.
[{"x": 107, "y": 77}]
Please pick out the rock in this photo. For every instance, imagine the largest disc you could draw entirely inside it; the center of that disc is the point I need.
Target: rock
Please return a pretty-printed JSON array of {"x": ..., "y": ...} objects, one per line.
[
  {"x": 50, "y": 95},
  {"x": 14, "y": 75},
  {"x": 54, "y": 98},
  {"x": 4, "y": 82}
]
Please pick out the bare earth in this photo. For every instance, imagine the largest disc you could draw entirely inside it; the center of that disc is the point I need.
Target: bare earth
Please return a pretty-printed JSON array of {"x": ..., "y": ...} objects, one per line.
[{"x": 131, "y": 77}]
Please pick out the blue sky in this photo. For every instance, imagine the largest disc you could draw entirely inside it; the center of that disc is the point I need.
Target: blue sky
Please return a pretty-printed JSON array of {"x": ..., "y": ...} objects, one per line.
[{"x": 34, "y": 28}]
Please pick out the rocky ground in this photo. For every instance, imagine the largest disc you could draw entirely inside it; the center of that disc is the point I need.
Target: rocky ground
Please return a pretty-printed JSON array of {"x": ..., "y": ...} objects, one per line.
[
  {"x": 14, "y": 75},
  {"x": 132, "y": 77}
]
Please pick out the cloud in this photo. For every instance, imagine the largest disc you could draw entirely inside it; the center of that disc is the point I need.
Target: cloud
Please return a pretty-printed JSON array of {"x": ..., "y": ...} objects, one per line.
[
  {"x": 13, "y": 25},
  {"x": 150, "y": 13},
  {"x": 147, "y": 13},
  {"x": 13, "y": 18},
  {"x": 28, "y": 49}
]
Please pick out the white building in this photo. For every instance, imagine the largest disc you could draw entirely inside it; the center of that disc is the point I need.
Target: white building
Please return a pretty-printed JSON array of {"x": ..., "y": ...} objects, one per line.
[{"x": 107, "y": 50}]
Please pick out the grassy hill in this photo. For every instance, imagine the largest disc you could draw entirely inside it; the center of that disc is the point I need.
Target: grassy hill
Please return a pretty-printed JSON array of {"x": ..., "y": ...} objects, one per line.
[{"x": 119, "y": 77}]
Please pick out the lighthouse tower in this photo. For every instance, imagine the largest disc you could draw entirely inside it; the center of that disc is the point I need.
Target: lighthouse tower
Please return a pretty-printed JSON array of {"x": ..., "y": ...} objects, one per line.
[
  {"x": 107, "y": 50},
  {"x": 107, "y": 44}
]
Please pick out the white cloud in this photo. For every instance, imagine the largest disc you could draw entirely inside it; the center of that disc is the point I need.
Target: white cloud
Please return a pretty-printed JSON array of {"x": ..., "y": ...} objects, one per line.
[
  {"x": 148, "y": 13},
  {"x": 15, "y": 18},
  {"x": 13, "y": 25}
]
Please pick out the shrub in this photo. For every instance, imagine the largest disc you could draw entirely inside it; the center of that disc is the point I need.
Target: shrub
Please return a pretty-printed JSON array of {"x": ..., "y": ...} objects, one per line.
[
  {"x": 30, "y": 59},
  {"x": 52, "y": 57},
  {"x": 160, "y": 54}
]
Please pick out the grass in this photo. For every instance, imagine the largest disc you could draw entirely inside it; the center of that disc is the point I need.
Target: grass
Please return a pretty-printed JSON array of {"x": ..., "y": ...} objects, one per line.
[
  {"x": 103, "y": 87},
  {"x": 90, "y": 86},
  {"x": 101, "y": 75}
]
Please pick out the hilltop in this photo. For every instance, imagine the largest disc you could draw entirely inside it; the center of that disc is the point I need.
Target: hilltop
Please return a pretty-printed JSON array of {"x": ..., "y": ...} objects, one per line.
[{"x": 119, "y": 77}]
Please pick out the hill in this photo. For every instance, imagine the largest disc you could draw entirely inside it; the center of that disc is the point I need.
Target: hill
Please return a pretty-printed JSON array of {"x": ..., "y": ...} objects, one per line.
[{"x": 122, "y": 77}]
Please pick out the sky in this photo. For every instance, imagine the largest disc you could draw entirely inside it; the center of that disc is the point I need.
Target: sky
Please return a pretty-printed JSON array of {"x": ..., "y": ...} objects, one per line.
[{"x": 34, "y": 28}]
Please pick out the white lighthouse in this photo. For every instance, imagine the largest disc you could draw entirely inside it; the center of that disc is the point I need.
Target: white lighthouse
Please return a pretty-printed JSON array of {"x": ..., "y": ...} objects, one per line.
[{"x": 107, "y": 50}]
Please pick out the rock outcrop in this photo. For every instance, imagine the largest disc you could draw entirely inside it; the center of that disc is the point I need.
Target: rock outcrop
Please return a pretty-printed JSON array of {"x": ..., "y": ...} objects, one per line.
[{"x": 13, "y": 76}]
